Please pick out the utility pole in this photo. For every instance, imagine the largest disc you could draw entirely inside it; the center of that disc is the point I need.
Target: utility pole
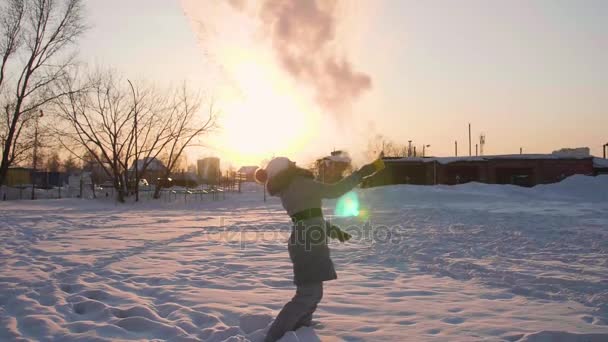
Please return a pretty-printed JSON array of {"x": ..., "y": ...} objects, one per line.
[
  {"x": 409, "y": 149},
  {"x": 476, "y": 150},
  {"x": 135, "y": 133},
  {"x": 470, "y": 140},
  {"x": 521, "y": 150},
  {"x": 456, "y": 147},
  {"x": 35, "y": 154}
]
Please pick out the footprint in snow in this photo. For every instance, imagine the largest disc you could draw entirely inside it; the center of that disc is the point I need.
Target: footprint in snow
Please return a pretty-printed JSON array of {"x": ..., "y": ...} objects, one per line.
[
  {"x": 250, "y": 323},
  {"x": 367, "y": 329},
  {"x": 411, "y": 293},
  {"x": 406, "y": 322},
  {"x": 496, "y": 296},
  {"x": 433, "y": 331},
  {"x": 142, "y": 324},
  {"x": 136, "y": 311},
  {"x": 453, "y": 320},
  {"x": 95, "y": 294},
  {"x": 88, "y": 306},
  {"x": 70, "y": 288}
]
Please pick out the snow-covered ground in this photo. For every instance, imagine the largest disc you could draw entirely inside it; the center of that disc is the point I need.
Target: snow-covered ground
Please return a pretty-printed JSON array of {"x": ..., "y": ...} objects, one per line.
[{"x": 463, "y": 263}]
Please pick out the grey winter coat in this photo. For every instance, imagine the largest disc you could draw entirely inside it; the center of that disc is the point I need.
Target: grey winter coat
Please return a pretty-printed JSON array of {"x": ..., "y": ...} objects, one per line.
[{"x": 307, "y": 246}]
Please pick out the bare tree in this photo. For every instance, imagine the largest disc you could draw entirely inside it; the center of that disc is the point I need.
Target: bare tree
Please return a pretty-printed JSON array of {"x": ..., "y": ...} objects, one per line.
[
  {"x": 70, "y": 166},
  {"x": 95, "y": 170},
  {"x": 381, "y": 144},
  {"x": 101, "y": 121},
  {"x": 35, "y": 52},
  {"x": 153, "y": 117},
  {"x": 186, "y": 125},
  {"x": 53, "y": 163}
]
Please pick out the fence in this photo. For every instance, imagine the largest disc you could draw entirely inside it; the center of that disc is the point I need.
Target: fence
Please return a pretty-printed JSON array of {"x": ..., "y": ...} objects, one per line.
[
  {"x": 8, "y": 193},
  {"x": 186, "y": 194},
  {"x": 11, "y": 193}
]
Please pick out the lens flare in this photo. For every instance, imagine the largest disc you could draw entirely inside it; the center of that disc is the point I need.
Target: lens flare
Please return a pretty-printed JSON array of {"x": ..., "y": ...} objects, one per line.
[{"x": 348, "y": 205}]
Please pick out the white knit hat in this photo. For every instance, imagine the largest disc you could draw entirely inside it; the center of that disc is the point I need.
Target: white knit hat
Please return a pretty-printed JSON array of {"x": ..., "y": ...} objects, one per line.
[{"x": 277, "y": 165}]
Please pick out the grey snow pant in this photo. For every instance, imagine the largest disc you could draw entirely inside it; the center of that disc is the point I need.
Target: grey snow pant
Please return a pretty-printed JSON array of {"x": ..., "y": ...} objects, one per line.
[{"x": 298, "y": 312}]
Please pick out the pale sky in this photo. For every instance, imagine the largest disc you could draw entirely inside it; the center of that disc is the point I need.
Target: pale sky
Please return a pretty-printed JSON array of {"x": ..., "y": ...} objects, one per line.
[{"x": 529, "y": 74}]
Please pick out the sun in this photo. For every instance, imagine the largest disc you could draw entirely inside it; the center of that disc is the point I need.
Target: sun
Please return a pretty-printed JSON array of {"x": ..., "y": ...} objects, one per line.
[
  {"x": 268, "y": 117},
  {"x": 264, "y": 112}
]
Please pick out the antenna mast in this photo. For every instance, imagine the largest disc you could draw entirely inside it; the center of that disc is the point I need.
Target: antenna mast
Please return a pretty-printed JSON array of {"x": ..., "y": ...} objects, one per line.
[{"x": 482, "y": 142}]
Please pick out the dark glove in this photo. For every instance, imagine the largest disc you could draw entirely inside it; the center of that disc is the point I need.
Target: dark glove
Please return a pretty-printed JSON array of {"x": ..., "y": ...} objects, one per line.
[{"x": 335, "y": 232}]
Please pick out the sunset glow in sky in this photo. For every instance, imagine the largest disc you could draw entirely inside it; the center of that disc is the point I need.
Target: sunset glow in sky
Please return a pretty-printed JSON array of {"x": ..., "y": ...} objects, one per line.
[{"x": 528, "y": 74}]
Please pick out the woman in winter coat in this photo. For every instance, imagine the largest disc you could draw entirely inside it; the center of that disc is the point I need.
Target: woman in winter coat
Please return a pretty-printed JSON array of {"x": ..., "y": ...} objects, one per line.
[{"x": 301, "y": 197}]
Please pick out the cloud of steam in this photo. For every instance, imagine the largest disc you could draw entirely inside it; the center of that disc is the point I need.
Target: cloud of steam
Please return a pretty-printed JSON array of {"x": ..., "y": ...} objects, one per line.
[{"x": 302, "y": 34}]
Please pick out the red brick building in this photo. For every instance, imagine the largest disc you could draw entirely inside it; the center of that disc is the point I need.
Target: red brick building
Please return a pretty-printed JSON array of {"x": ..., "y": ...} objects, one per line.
[{"x": 524, "y": 170}]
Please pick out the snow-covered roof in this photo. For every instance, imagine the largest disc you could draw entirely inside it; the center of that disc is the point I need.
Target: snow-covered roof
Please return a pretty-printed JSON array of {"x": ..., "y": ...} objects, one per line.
[
  {"x": 341, "y": 157},
  {"x": 573, "y": 152},
  {"x": 600, "y": 163},
  {"x": 448, "y": 160},
  {"x": 248, "y": 169}
]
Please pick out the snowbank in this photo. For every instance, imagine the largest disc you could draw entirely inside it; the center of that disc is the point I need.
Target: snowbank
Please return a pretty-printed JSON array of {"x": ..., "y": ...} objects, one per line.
[
  {"x": 577, "y": 187},
  {"x": 574, "y": 188}
]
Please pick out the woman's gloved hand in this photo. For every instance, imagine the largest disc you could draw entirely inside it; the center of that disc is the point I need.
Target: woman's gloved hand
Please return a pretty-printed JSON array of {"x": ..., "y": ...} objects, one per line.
[{"x": 335, "y": 232}]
